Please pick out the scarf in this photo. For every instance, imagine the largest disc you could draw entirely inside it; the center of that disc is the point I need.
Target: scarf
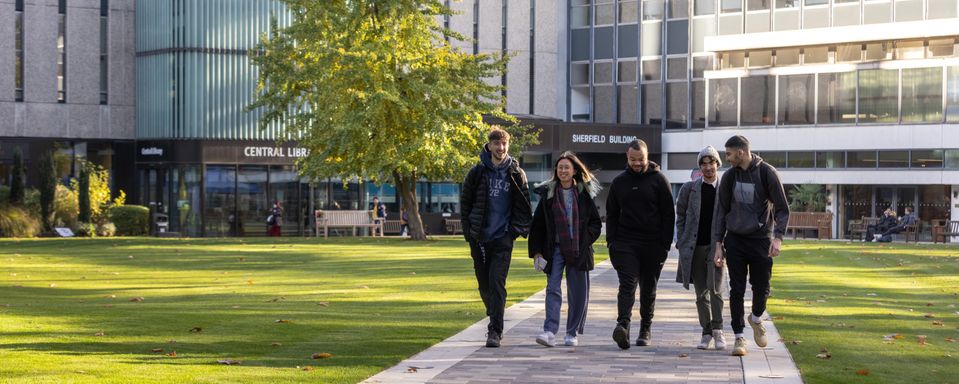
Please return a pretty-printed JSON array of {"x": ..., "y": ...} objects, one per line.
[{"x": 566, "y": 232}]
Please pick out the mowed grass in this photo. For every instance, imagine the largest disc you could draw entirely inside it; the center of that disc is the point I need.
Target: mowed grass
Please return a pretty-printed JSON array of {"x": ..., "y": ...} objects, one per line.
[
  {"x": 70, "y": 309},
  {"x": 844, "y": 299}
]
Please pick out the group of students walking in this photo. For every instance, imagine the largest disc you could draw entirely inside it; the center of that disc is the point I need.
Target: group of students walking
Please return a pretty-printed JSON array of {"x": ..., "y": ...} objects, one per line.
[{"x": 735, "y": 224}]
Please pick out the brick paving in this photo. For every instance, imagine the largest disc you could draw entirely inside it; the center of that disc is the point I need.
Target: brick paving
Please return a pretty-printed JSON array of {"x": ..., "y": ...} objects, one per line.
[{"x": 672, "y": 358}]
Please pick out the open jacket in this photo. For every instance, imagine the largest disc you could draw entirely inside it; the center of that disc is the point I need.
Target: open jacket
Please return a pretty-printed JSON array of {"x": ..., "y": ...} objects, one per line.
[
  {"x": 474, "y": 198},
  {"x": 542, "y": 235},
  {"x": 688, "y": 207}
]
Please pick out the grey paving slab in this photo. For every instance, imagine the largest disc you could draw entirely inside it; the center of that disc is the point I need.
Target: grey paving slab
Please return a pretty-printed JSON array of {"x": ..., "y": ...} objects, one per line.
[{"x": 673, "y": 357}]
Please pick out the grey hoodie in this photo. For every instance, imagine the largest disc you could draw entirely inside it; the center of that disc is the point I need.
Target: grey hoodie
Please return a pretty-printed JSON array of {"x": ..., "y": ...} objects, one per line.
[{"x": 750, "y": 202}]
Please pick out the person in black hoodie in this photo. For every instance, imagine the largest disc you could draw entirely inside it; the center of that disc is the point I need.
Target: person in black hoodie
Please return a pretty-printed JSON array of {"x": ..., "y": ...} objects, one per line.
[
  {"x": 495, "y": 211},
  {"x": 565, "y": 226},
  {"x": 752, "y": 208},
  {"x": 639, "y": 232}
]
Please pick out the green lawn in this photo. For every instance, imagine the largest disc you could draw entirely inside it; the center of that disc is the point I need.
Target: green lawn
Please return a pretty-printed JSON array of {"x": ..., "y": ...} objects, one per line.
[
  {"x": 845, "y": 298},
  {"x": 368, "y": 302}
]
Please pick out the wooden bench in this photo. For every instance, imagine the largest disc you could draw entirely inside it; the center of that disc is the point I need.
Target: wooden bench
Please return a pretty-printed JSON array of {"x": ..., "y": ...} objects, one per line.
[
  {"x": 394, "y": 227},
  {"x": 819, "y": 221},
  {"x": 453, "y": 226},
  {"x": 944, "y": 229},
  {"x": 857, "y": 228},
  {"x": 347, "y": 219}
]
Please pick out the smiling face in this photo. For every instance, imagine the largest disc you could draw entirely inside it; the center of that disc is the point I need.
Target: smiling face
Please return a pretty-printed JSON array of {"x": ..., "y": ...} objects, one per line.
[
  {"x": 637, "y": 159},
  {"x": 565, "y": 171},
  {"x": 498, "y": 149},
  {"x": 735, "y": 157}
]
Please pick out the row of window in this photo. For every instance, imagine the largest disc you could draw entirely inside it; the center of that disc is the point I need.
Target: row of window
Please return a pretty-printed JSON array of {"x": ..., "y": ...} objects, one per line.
[
  {"x": 816, "y": 12},
  {"x": 914, "y": 159},
  {"x": 20, "y": 63}
]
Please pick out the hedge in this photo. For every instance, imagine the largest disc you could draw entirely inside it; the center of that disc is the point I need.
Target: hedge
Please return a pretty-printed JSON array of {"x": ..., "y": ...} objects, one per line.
[{"x": 131, "y": 220}]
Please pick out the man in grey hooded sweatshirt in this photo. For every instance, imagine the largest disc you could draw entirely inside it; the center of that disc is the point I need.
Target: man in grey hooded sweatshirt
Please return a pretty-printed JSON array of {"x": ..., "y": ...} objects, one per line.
[{"x": 751, "y": 219}]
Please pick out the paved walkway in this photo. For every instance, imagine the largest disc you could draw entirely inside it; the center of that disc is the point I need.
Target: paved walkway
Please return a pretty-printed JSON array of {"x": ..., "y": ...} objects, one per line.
[{"x": 673, "y": 357}]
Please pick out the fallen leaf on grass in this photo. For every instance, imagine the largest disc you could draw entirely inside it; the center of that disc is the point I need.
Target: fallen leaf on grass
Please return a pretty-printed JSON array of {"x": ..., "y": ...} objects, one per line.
[
  {"x": 411, "y": 370},
  {"x": 364, "y": 287},
  {"x": 929, "y": 304},
  {"x": 229, "y": 362},
  {"x": 136, "y": 299},
  {"x": 157, "y": 350},
  {"x": 306, "y": 368},
  {"x": 921, "y": 339},
  {"x": 284, "y": 321},
  {"x": 196, "y": 330},
  {"x": 52, "y": 285},
  {"x": 863, "y": 372},
  {"x": 250, "y": 282},
  {"x": 275, "y": 344},
  {"x": 951, "y": 340},
  {"x": 779, "y": 318},
  {"x": 795, "y": 342},
  {"x": 892, "y": 337},
  {"x": 937, "y": 322},
  {"x": 323, "y": 355},
  {"x": 412, "y": 273},
  {"x": 824, "y": 354},
  {"x": 98, "y": 334},
  {"x": 930, "y": 316},
  {"x": 681, "y": 355},
  {"x": 171, "y": 354},
  {"x": 323, "y": 304}
]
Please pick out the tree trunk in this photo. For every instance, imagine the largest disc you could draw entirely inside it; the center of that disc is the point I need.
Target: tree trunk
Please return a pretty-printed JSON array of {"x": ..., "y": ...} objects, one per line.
[{"x": 406, "y": 186}]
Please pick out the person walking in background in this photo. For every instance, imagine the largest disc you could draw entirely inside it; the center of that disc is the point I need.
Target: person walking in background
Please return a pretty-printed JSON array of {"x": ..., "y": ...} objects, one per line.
[
  {"x": 273, "y": 221},
  {"x": 694, "y": 222},
  {"x": 751, "y": 218},
  {"x": 639, "y": 233},
  {"x": 495, "y": 211},
  {"x": 565, "y": 225}
]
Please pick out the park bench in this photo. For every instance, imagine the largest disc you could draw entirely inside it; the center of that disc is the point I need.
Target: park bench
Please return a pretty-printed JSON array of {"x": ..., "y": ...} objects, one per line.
[
  {"x": 394, "y": 227},
  {"x": 819, "y": 221},
  {"x": 347, "y": 219},
  {"x": 944, "y": 229},
  {"x": 857, "y": 228},
  {"x": 453, "y": 226}
]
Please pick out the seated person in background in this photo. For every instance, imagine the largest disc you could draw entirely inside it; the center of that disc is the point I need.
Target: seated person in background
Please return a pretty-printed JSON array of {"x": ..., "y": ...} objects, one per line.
[
  {"x": 887, "y": 221},
  {"x": 908, "y": 219}
]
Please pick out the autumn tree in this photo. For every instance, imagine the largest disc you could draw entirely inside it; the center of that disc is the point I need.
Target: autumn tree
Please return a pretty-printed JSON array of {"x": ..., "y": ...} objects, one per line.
[{"x": 375, "y": 91}]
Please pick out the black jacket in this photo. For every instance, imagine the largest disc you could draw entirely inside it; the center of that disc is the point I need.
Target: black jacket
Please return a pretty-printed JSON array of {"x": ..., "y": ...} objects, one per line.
[
  {"x": 542, "y": 234},
  {"x": 640, "y": 209},
  {"x": 474, "y": 195}
]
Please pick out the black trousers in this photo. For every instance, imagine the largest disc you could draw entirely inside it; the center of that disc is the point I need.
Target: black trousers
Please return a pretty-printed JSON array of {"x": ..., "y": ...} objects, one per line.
[
  {"x": 491, "y": 263},
  {"x": 746, "y": 256},
  {"x": 639, "y": 265}
]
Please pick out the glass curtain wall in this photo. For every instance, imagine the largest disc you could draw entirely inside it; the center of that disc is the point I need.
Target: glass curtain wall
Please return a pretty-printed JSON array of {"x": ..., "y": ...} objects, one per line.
[
  {"x": 251, "y": 200},
  {"x": 185, "y": 204},
  {"x": 219, "y": 212},
  {"x": 284, "y": 183}
]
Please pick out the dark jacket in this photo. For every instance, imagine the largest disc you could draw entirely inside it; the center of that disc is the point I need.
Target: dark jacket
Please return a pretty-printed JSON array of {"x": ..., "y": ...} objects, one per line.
[
  {"x": 750, "y": 202},
  {"x": 640, "y": 209},
  {"x": 474, "y": 196},
  {"x": 542, "y": 234}
]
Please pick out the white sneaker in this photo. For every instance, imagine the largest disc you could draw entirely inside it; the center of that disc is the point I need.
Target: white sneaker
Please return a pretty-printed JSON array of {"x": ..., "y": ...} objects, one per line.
[
  {"x": 571, "y": 341},
  {"x": 759, "y": 332},
  {"x": 704, "y": 342},
  {"x": 720, "y": 339},
  {"x": 546, "y": 339}
]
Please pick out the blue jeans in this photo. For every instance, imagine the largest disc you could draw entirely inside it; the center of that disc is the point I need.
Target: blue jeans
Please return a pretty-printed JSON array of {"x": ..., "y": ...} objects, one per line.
[{"x": 577, "y": 291}]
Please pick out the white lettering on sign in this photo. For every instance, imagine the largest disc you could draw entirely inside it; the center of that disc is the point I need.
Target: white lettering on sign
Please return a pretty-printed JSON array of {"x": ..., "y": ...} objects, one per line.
[
  {"x": 603, "y": 139},
  {"x": 152, "y": 151},
  {"x": 275, "y": 152}
]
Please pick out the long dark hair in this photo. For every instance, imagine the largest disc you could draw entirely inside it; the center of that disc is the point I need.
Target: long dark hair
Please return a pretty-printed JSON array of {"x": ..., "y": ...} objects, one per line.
[{"x": 583, "y": 175}]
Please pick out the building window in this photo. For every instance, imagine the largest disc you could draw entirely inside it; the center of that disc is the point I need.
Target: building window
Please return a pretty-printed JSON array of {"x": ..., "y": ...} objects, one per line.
[
  {"x": 677, "y": 99},
  {"x": 922, "y": 95},
  {"x": 603, "y": 43},
  {"x": 758, "y": 100},
  {"x": 724, "y": 101},
  {"x": 927, "y": 159},
  {"x": 830, "y": 160},
  {"x": 952, "y": 159},
  {"x": 18, "y": 52},
  {"x": 104, "y": 9},
  {"x": 878, "y": 95},
  {"x": 579, "y": 44},
  {"x": 797, "y": 99},
  {"x": 652, "y": 9},
  {"x": 837, "y": 98},
  {"x": 62, "y": 53},
  {"x": 776, "y": 159},
  {"x": 652, "y": 112},
  {"x": 475, "y": 27},
  {"x": 952, "y": 94},
  {"x": 801, "y": 160},
  {"x": 580, "y": 16},
  {"x": 676, "y": 161},
  {"x": 862, "y": 159},
  {"x": 893, "y": 159}
]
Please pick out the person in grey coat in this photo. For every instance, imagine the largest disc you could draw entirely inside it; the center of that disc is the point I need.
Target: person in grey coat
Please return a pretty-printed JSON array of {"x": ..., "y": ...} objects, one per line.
[{"x": 694, "y": 220}]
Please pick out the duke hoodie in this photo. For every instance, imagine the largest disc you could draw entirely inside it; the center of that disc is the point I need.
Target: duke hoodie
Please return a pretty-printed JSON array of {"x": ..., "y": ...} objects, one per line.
[
  {"x": 640, "y": 209},
  {"x": 752, "y": 203}
]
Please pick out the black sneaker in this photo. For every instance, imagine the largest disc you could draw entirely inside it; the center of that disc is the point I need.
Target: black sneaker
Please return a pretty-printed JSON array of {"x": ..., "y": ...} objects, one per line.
[
  {"x": 644, "y": 337},
  {"x": 621, "y": 336},
  {"x": 492, "y": 339}
]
